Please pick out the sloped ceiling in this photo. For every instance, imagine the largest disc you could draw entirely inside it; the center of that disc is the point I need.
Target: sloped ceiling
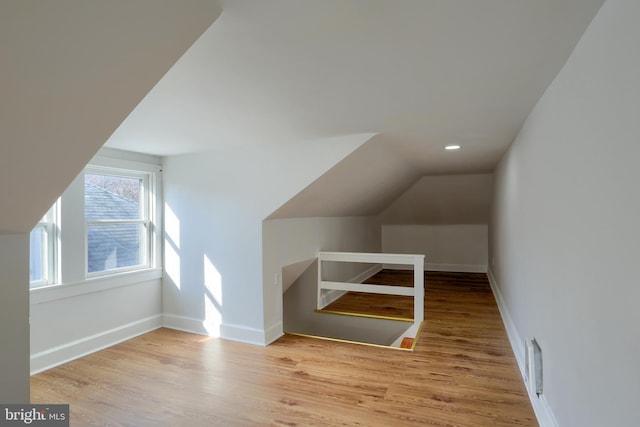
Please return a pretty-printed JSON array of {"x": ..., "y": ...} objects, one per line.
[
  {"x": 71, "y": 71},
  {"x": 443, "y": 199},
  {"x": 363, "y": 183},
  {"x": 423, "y": 73},
  {"x": 419, "y": 73}
]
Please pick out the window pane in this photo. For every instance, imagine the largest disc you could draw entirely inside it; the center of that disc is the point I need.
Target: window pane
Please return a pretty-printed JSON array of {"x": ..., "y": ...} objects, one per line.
[
  {"x": 112, "y": 197},
  {"x": 38, "y": 255},
  {"x": 116, "y": 246}
]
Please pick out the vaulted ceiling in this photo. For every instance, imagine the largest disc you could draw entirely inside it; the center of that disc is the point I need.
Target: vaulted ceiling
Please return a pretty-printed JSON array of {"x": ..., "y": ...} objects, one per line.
[{"x": 420, "y": 73}]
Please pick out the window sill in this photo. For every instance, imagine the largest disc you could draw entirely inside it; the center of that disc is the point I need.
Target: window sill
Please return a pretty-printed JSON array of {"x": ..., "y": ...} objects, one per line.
[{"x": 94, "y": 284}]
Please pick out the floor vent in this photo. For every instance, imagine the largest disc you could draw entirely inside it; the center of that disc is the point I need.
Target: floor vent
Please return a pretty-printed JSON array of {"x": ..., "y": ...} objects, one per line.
[{"x": 533, "y": 367}]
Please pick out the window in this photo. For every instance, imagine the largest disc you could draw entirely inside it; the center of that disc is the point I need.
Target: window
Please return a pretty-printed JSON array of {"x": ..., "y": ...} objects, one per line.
[
  {"x": 43, "y": 253},
  {"x": 118, "y": 220},
  {"x": 102, "y": 232}
]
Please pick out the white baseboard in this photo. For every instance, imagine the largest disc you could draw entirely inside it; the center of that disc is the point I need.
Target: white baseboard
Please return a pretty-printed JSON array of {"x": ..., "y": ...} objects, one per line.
[
  {"x": 517, "y": 344},
  {"x": 185, "y": 324},
  {"x": 455, "y": 268},
  {"x": 58, "y": 355},
  {"x": 543, "y": 412},
  {"x": 273, "y": 333},
  {"x": 332, "y": 295},
  {"x": 540, "y": 406},
  {"x": 243, "y": 334},
  {"x": 225, "y": 331}
]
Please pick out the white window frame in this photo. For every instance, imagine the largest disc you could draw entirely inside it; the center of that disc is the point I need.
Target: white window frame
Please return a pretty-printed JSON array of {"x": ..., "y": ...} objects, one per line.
[
  {"x": 71, "y": 276},
  {"x": 148, "y": 220},
  {"x": 49, "y": 223}
]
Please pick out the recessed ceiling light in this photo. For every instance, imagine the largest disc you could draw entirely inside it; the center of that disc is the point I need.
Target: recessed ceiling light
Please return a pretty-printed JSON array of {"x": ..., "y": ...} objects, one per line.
[{"x": 452, "y": 147}]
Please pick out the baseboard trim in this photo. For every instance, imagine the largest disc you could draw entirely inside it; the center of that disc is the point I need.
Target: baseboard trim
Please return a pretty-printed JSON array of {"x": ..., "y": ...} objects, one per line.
[
  {"x": 242, "y": 334},
  {"x": 225, "y": 331},
  {"x": 517, "y": 344},
  {"x": 455, "y": 268},
  {"x": 64, "y": 353},
  {"x": 186, "y": 324},
  {"x": 543, "y": 412},
  {"x": 540, "y": 405},
  {"x": 273, "y": 333}
]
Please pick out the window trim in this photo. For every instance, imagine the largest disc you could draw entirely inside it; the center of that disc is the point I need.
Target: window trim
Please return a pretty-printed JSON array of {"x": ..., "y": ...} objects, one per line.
[
  {"x": 71, "y": 280},
  {"x": 49, "y": 223},
  {"x": 96, "y": 284}
]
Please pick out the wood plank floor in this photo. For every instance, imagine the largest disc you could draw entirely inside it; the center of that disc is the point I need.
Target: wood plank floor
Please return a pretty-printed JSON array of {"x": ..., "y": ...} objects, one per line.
[{"x": 462, "y": 373}]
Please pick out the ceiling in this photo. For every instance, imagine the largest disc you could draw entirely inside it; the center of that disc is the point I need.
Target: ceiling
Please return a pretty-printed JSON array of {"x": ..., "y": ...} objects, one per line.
[
  {"x": 70, "y": 72},
  {"x": 421, "y": 73}
]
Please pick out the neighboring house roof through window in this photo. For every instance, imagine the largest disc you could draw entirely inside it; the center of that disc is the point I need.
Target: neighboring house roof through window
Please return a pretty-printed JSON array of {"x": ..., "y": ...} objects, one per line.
[{"x": 111, "y": 246}]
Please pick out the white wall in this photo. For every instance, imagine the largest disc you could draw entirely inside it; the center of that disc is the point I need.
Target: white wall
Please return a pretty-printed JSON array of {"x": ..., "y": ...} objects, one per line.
[
  {"x": 446, "y": 247},
  {"x": 288, "y": 243},
  {"x": 68, "y": 80},
  {"x": 445, "y": 218},
  {"x": 80, "y": 315},
  {"x": 14, "y": 318},
  {"x": 67, "y": 328},
  {"x": 565, "y": 233},
  {"x": 214, "y": 204}
]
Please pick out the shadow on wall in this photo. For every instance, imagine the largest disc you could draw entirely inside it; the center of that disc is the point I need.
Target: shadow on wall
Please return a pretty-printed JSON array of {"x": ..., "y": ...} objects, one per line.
[
  {"x": 299, "y": 303},
  {"x": 208, "y": 285},
  {"x": 291, "y": 272}
]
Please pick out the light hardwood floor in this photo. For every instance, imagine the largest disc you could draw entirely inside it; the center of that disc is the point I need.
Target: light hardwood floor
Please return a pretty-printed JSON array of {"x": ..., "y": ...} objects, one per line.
[{"x": 462, "y": 373}]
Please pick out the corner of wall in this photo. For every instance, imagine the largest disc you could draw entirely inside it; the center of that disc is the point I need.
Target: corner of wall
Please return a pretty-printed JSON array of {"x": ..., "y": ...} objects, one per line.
[
  {"x": 248, "y": 335},
  {"x": 273, "y": 332}
]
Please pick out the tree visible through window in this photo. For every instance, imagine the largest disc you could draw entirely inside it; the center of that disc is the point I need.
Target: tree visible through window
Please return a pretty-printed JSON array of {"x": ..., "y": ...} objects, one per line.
[{"x": 117, "y": 216}]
